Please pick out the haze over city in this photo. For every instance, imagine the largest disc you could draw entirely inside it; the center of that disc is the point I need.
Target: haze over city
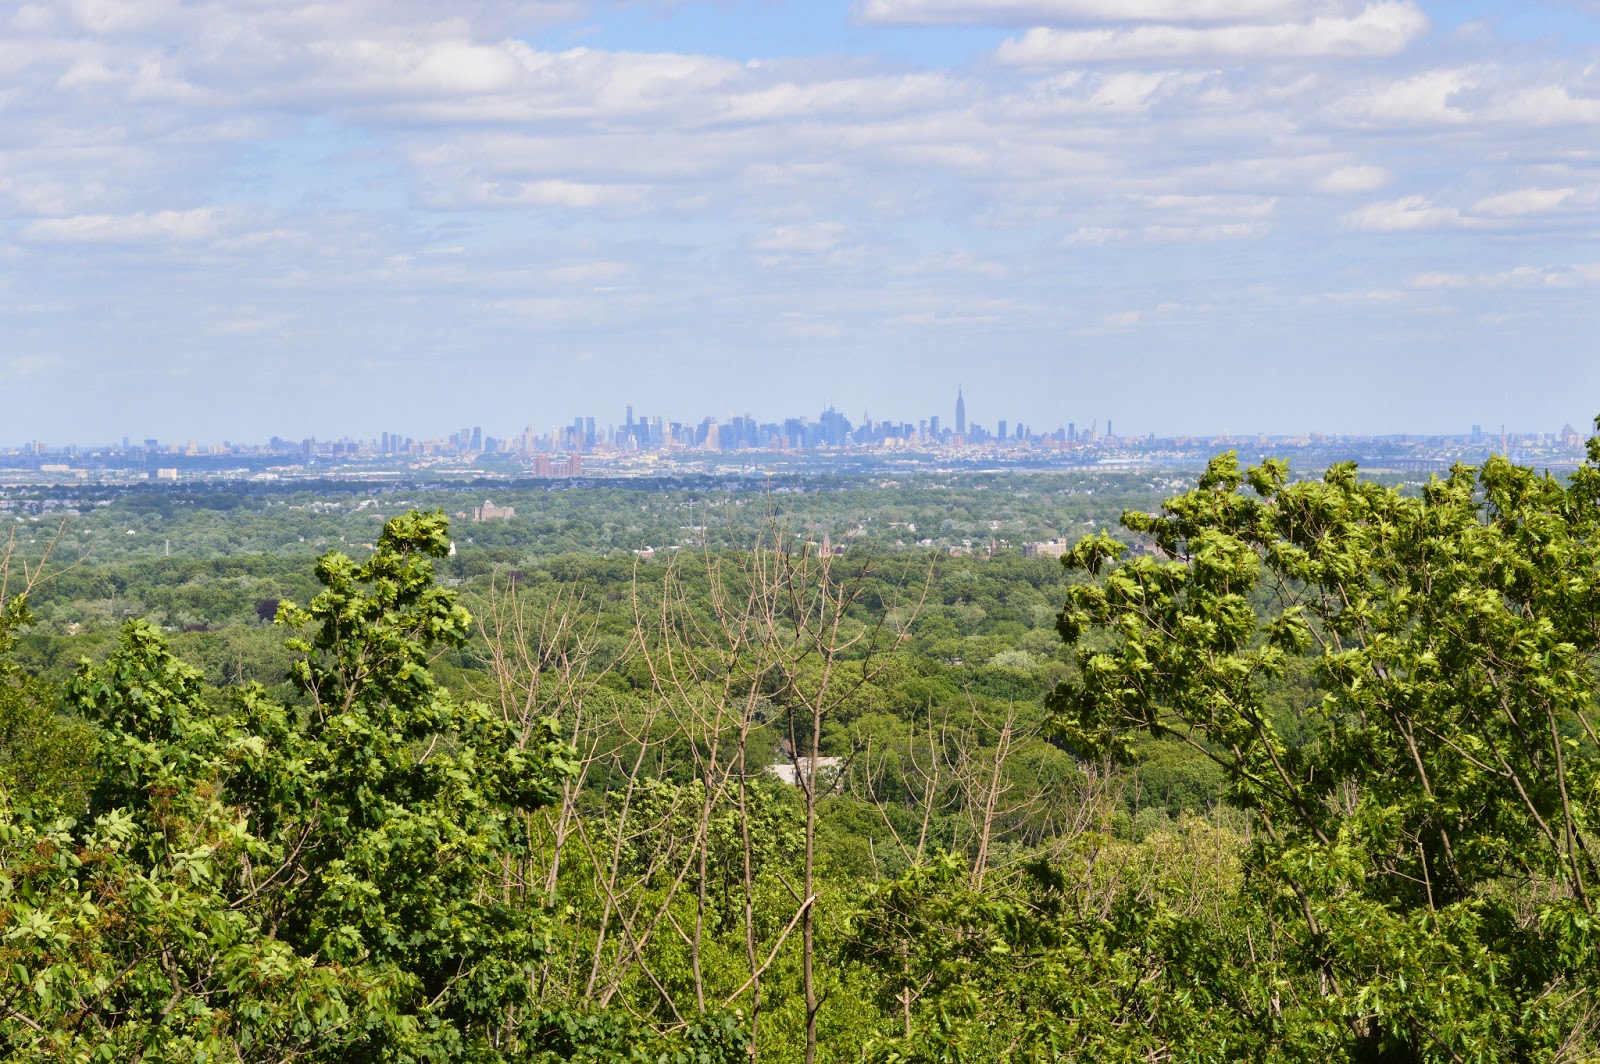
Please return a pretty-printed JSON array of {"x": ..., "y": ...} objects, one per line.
[{"x": 233, "y": 220}]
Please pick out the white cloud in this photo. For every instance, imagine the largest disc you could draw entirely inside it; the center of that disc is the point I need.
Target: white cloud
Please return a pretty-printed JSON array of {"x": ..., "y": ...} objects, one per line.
[
  {"x": 1381, "y": 29},
  {"x": 1226, "y": 231},
  {"x": 1046, "y": 12},
  {"x": 1547, "y": 105},
  {"x": 1572, "y": 275},
  {"x": 592, "y": 307},
  {"x": 1407, "y": 214},
  {"x": 1524, "y": 201},
  {"x": 544, "y": 192},
  {"x": 1130, "y": 90},
  {"x": 815, "y": 239},
  {"x": 1351, "y": 179},
  {"x": 161, "y": 226},
  {"x": 1165, "y": 313},
  {"x": 1375, "y": 296},
  {"x": 847, "y": 98},
  {"x": 1209, "y": 206},
  {"x": 1172, "y": 218},
  {"x": 1094, "y": 236},
  {"x": 1423, "y": 98},
  {"x": 1417, "y": 213}
]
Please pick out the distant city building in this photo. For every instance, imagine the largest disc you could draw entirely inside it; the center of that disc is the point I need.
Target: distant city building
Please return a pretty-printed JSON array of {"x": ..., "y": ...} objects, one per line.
[
  {"x": 829, "y": 549},
  {"x": 490, "y": 512},
  {"x": 800, "y": 768},
  {"x": 619, "y": 449},
  {"x": 1053, "y": 548},
  {"x": 546, "y": 466}
]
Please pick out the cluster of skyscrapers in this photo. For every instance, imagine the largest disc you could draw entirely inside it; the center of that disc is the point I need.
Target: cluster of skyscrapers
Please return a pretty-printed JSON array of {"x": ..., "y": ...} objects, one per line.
[
  {"x": 584, "y": 435},
  {"x": 558, "y": 450},
  {"x": 831, "y": 428}
]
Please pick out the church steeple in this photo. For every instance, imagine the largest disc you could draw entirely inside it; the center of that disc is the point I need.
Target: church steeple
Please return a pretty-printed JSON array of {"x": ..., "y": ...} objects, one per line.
[{"x": 961, "y": 413}]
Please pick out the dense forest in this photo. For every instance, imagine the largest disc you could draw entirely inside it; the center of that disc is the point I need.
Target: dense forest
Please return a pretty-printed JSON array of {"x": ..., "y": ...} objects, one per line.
[
  {"x": 1264, "y": 768},
  {"x": 110, "y": 524}
]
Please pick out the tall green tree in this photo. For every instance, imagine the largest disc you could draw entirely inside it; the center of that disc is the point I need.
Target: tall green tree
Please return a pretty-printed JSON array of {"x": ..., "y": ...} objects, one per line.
[
  {"x": 1428, "y": 857},
  {"x": 260, "y": 881},
  {"x": 46, "y": 759}
]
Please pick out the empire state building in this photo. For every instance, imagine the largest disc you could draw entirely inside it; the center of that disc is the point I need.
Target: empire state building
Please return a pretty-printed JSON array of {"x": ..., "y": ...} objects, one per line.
[{"x": 961, "y": 414}]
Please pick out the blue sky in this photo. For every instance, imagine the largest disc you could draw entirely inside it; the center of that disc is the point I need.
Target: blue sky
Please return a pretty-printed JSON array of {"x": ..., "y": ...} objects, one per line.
[{"x": 233, "y": 218}]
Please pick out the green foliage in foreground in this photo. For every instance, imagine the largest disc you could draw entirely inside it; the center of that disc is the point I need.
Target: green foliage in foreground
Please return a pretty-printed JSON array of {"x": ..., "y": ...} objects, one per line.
[
  {"x": 46, "y": 760},
  {"x": 256, "y": 881},
  {"x": 1427, "y": 860}
]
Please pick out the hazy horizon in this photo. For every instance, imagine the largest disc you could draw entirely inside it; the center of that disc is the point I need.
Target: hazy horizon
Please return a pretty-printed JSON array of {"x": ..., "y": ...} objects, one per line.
[{"x": 438, "y": 429}]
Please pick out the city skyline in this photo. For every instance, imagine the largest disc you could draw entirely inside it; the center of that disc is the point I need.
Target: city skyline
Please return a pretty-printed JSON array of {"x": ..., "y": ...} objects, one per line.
[
  {"x": 1359, "y": 215},
  {"x": 642, "y": 430}
]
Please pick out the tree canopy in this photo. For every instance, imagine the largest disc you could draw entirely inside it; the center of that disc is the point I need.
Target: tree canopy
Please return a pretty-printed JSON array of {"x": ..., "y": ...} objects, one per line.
[
  {"x": 1426, "y": 857},
  {"x": 267, "y": 881}
]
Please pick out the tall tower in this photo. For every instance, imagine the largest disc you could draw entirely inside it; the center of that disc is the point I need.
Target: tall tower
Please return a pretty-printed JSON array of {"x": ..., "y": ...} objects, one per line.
[{"x": 961, "y": 413}]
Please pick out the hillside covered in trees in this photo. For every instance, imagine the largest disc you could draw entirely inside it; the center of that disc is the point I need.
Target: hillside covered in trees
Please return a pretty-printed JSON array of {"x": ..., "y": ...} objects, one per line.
[{"x": 1273, "y": 770}]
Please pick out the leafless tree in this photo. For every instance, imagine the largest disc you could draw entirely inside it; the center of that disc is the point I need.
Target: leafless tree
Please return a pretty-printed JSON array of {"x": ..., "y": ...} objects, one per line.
[{"x": 721, "y": 645}]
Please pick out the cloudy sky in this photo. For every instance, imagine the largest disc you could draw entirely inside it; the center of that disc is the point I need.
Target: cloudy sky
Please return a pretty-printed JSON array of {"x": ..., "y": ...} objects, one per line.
[{"x": 234, "y": 218}]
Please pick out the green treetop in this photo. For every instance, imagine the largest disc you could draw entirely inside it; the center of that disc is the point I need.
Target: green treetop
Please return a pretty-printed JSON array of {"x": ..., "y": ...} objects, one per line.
[
  {"x": 1427, "y": 861},
  {"x": 259, "y": 881}
]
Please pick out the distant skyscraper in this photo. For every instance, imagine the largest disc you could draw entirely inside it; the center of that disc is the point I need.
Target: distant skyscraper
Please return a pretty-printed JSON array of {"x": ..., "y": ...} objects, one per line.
[
  {"x": 1002, "y": 432},
  {"x": 833, "y": 428},
  {"x": 961, "y": 413}
]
